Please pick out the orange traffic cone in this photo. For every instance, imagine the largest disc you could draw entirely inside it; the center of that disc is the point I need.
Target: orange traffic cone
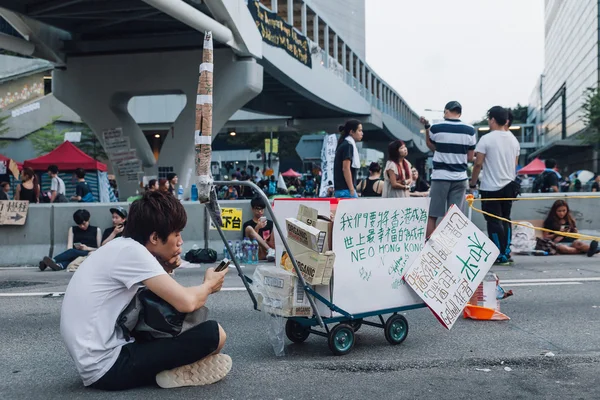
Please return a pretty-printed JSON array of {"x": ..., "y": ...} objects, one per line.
[{"x": 483, "y": 313}]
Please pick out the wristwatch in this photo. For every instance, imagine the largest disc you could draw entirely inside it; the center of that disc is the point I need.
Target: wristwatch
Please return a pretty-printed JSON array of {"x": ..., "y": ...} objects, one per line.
[
  {"x": 427, "y": 126},
  {"x": 472, "y": 186}
]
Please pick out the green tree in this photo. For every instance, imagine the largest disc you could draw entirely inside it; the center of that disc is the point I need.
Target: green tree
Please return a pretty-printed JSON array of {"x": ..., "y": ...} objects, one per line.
[
  {"x": 591, "y": 116},
  {"x": 50, "y": 137}
]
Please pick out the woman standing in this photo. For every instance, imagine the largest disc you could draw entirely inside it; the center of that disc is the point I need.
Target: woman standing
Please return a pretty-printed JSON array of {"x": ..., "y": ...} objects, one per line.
[
  {"x": 347, "y": 161},
  {"x": 397, "y": 171},
  {"x": 28, "y": 189},
  {"x": 372, "y": 186}
]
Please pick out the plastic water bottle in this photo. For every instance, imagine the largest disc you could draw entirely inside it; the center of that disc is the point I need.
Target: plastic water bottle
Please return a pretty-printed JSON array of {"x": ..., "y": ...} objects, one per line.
[
  {"x": 226, "y": 252},
  {"x": 180, "y": 193},
  {"x": 254, "y": 252},
  {"x": 194, "y": 193},
  {"x": 238, "y": 251}
]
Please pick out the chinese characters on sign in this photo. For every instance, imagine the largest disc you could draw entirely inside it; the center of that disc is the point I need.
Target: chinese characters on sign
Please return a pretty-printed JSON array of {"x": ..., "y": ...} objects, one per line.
[
  {"x": 231, "y": 219},
  {"x": 375, "y": 241},
  {"x": 451, "y": 266},
  {"x": 13, "y": 212},
  {"x": 327, "y": 159}
]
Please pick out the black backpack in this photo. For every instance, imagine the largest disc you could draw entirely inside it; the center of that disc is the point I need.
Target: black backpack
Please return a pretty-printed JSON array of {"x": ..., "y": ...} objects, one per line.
[
  {"x": 201, "y": 256},
  {"x": 539, "y": 184}
]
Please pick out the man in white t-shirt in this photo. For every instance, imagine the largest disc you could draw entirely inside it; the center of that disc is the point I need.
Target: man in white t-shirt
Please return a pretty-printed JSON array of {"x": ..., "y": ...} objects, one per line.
[
  {"x": 497, "y": 153},
  {"x": 105, "y": 284},
  {"x": 57, "y": 186}
]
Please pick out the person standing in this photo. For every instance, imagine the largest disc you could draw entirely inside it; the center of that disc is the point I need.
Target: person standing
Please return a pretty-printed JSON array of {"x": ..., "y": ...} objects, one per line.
[
  {"x": 596, "y": 184},
  {"x": 397, "y": 171},
  {"x": 83, "y": 193},
  {"x": 4, "y": 189},
  {"x": 497, "y": 154},
  {"x": 347, "y": 161},
  {"x": 453, "y": 143},
  {"x": 372, "y": 186},
  {"x": 28, "y": 189},
  {"x": 57, "y": 186},
  {"x": 173, "y": 179}
]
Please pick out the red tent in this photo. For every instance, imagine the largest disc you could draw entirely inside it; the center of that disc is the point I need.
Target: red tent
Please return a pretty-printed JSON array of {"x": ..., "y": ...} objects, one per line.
[
  {"x": 4, "y": 158},
  {"x": 290, "y": 173},
  {"x": 535, "y": 167},
  {"x": 67, "y": 157}
]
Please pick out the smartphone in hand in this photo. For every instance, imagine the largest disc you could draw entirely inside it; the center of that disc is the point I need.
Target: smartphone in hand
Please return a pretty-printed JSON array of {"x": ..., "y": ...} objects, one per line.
[{"x": 223, "y": 265}]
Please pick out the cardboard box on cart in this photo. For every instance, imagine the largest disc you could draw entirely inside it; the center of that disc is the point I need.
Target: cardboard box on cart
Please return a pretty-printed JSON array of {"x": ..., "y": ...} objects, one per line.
[
  {"x": 279, "y": 292},
  {"x": 316, "y": 268}
]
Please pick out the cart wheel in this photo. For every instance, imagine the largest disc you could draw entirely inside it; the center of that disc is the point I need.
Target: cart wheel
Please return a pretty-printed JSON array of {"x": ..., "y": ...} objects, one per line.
[
  {"x": 356, "y": 324},
  {"x": 295, "y": 331},
  {"x": 396, "y": 329},
  {"x": 341, "y": 339}
]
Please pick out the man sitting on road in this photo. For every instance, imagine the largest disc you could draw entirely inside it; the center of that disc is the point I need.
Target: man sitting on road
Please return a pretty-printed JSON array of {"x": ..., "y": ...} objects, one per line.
[
  {"x": 259, "y": 228},
  {"x": 119, "y": 217},
  {"x": 105, "y": 284}
]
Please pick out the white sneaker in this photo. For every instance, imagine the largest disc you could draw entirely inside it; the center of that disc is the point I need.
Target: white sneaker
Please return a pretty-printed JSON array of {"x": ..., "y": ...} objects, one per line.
[
  {"x": 204, "y": 372},
  {"x": 271, "y": 255}
]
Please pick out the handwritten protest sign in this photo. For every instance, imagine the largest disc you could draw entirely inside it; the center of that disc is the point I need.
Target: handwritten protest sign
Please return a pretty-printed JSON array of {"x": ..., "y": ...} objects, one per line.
[
  {"x": 374, "y": 242},
  {"x": 451, "y": 266},
  {"x": 231, "y": 219},
  {"x": 13, "y": 212}
]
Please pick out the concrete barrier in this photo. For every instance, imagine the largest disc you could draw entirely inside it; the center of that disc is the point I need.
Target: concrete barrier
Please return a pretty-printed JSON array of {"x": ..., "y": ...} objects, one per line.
[{"x": 45, "y": 232}]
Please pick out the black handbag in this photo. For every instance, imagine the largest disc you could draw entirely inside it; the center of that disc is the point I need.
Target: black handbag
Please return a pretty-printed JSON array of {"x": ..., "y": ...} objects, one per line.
[
  {"x": 198, "y": 256},
  {"x": 149, "y": 317}
]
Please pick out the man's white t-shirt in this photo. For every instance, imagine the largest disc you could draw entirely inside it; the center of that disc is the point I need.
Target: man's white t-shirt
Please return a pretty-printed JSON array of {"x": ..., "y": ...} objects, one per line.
[
  {"x": 501, "y": 149},
  {"x": 58, "y": 185},
  {"x": 98, "y": 292}
]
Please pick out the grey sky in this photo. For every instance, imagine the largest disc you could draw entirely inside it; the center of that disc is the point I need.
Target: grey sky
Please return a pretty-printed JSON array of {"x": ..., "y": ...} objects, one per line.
[{"x": 479, "y": 52}]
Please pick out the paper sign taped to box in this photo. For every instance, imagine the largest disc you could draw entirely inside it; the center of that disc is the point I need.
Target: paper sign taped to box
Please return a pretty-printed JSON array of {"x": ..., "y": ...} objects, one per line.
[
  {"x": 110, "y": 134},
  {"x": 13, "y": 212},
  {"x": 231, "y": 219},
  {"x": 452, "y": 264}
]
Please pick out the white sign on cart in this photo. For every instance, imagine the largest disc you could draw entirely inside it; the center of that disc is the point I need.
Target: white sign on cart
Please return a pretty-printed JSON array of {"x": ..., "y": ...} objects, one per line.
[
  {"x": 375, "y": 241},
  {"x": 451, "y": 266}
]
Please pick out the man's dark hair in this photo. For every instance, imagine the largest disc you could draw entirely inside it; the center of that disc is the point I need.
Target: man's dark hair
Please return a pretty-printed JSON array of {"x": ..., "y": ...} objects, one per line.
[
  {"x": 453, "y": 106},
  {"x": 510, "y": 118},
  {"x": 171, "y": 175},
  {"x": 550, "y": 163},
  {"x": 158, "y": 212},
  {"x": 500, "y": 115},
  {"x": 80, "y": 173},
  {"x": 53, "y": 169},
  {"x": 258, "y": 202},
  {"x": 4, "y": 184},
  {"x": 80, "y": 216}
]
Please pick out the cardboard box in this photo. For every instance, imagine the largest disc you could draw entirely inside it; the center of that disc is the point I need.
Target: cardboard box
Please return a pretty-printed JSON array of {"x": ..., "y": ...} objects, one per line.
[
  {"x": 278, "y": 292},
  {"x": 316, "y": 268},
  {"x": 310, "y": 217},
  {"x": 306, "y": 235}
]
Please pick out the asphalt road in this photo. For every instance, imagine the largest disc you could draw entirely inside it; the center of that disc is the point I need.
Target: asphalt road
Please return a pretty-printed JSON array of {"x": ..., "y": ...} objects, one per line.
[{"x": 555, "y": 309}]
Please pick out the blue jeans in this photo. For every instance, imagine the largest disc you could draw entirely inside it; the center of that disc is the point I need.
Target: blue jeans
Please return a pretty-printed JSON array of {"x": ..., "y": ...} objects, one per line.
[
  {"x": 66, "y": 257},
  {"x": 345, "y": 194}
]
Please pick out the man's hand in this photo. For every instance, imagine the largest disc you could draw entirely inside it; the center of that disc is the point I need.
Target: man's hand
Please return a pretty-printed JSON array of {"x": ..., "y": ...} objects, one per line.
[
  {"x": 262, "y": 222},
  {"x": 84, "y": 247},
  {"x": 118, "y": 229},
  {"x": 215, "y": 279},
  {"x": 424, "y": 121}
]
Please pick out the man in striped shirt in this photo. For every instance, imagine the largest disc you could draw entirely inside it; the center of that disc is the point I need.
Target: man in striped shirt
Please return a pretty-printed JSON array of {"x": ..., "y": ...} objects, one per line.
[{"x": 453, "y": 144}]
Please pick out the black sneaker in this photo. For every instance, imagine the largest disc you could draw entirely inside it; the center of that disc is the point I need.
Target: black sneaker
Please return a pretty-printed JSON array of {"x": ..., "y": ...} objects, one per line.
[
  {"x": 53, "y": 265},
  {"x": 42, "y": 266},
  {"x": 593, "y": 248}
]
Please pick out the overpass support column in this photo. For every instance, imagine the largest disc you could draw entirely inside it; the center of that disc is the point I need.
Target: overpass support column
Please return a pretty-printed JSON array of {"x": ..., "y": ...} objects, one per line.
[{"x": 98, "y": 89}]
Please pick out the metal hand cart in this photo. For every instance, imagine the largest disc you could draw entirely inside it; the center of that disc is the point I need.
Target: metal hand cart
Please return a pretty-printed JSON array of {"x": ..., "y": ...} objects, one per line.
[{"x": 341, "y": 337}]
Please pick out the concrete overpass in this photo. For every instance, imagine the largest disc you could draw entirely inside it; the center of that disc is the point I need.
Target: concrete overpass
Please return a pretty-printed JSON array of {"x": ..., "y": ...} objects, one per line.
[{"x": 111, "y": 51}]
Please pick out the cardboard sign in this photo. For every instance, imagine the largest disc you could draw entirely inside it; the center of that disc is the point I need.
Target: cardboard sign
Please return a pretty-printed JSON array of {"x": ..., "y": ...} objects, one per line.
[
  {"x": 375, "y": 241},
  {"x": 13, "y": 212},
  {"x": 129, "y": 167},
  {"x": 231, "y": 219},
  {"x": 110, "y": 134},
  {"x": 451, "y": 266},
  {"x": 116, "y": 145}
]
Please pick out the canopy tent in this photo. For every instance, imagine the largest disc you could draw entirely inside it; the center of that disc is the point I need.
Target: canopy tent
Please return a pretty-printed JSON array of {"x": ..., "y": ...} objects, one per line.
[
  {"x": 290, "y": 173},
  {"x": 535, "y": 167},
  {"x": 67, "y": 157},
  {"x": 8, "y": 160}
]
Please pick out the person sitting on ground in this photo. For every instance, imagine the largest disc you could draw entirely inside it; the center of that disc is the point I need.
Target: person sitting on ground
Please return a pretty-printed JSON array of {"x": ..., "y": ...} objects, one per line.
[
  {"x": 119, "y": 217},
  {"x": 373, "y": 185},
  {"x": 259, "y": 228},
  {"x": 106, "y": 283},
  {"x": 83, "y": 193},
  {"x": 560, "y": 219},
  {"x": 57, "y": 186},
  {"x": 82, "y": 239},
  {"x": 4, "y": 189},
  {"x": 418, "y": 187}
]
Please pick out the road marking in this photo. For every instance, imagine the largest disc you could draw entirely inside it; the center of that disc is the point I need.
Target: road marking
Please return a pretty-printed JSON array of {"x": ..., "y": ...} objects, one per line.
[
  {"x": 594, "y": 279},
  {"x": 233, "y": 289},
  {"x": 542, "y": 284}
]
